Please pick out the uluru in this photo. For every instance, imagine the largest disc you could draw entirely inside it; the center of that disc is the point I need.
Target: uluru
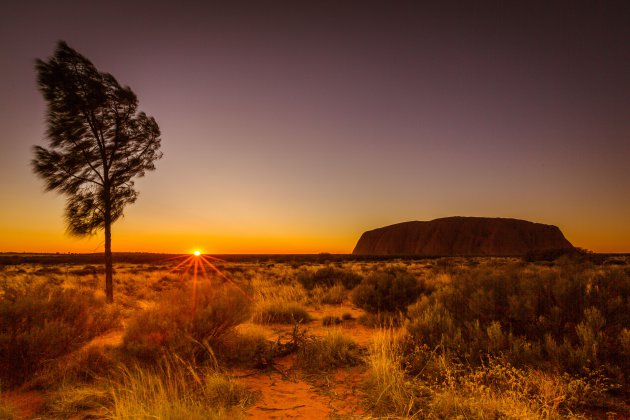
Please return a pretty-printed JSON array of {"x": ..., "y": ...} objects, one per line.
[{"x": 462, "y": 236}]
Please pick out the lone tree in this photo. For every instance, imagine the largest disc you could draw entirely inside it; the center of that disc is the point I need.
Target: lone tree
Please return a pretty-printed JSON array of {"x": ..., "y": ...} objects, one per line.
[{"x": 97, "y": 143}]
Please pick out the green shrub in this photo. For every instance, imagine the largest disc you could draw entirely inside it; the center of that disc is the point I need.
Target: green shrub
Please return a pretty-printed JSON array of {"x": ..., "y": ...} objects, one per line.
[
  {"x": 328, "y": 277},
  {"x": 179, "y": 325},
  {"x": 41, "y": 323},
  {"x": 389, "y": 291}
]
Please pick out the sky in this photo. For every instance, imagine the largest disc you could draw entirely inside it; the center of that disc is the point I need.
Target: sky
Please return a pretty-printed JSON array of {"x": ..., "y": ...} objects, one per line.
[{"x": 293, "y": 127}]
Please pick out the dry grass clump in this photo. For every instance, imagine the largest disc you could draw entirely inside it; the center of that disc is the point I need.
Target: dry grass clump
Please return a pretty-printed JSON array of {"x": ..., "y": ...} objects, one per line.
[
  {"x": 498, "y": 389},
  {"x": 279, "y": 311},
  {"x": 171, "y": 389},
  {"x": 184, "y": 321},
  {"x": 40, "y": 323},
  {"x": 279, "y": 302},
  {"x": 333, "y": 295},
  {"x": 248, "y": 346},
  {"x": 331, "y": 351},
  {"x": 433, "y": 384},
  {"x": 176, "y": 390},
  {"x": 268, "y": 288},
  {"x": 390, "y": 392},
  {"x": 73, "y": 401}
]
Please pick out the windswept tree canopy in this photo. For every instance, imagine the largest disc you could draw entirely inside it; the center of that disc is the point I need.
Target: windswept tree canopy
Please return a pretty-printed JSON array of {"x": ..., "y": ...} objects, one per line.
[{"x": 97, "y": 140}]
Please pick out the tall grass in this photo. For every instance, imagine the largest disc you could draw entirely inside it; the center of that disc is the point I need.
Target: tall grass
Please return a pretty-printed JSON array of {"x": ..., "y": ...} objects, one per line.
[
  {"x": 42, "y": 322},
  {"x": 176, "y": 390},
  {"x": 389, "y": 390},
  {"x": 279, "y": 302}
]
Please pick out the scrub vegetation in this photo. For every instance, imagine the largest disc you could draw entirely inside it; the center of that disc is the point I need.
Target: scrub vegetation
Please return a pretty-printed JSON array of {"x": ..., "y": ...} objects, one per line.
[{"x": 430, "y": 338}]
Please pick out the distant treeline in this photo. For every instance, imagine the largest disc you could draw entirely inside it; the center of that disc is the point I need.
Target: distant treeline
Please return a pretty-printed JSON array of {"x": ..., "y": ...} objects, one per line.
[{"x": 158, "y": 259}]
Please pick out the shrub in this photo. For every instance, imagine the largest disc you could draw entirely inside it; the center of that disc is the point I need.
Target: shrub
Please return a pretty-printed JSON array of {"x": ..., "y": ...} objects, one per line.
[
  {"x": 389, "y": 291},
  {"x": 177, "y": 324},
  {"x": 41, "y": 323},
  {"x": 432, "y": 324},
  {"x": 328, "y": 277}
]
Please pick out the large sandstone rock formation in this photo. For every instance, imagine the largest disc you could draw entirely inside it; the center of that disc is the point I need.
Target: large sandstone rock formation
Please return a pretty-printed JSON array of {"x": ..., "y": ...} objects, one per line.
[{"x": 463, "y": 236}]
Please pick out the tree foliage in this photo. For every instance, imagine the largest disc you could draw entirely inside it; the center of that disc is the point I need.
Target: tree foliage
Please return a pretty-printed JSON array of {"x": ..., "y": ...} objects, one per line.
[{"x": 98, "y": 142}]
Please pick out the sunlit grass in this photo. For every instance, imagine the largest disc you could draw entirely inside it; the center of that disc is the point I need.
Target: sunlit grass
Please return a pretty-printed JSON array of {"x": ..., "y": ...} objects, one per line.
[{"x": 176, "y": 390}]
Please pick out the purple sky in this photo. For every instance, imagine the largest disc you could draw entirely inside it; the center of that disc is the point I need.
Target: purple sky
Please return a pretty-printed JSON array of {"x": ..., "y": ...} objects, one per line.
[{"x": 295, "y": 126}]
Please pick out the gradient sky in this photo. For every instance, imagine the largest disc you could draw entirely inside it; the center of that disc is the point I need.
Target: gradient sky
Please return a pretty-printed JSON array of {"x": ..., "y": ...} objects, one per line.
[{"x": 295, "y": 126}]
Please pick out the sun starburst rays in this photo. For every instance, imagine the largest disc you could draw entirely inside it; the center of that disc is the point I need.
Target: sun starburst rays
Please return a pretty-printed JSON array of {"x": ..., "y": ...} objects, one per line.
[{"x": 202, "y": 267}]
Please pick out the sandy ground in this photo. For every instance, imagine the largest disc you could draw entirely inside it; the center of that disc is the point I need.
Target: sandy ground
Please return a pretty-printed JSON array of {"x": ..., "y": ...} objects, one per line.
[{"x": 288, "y": 393}]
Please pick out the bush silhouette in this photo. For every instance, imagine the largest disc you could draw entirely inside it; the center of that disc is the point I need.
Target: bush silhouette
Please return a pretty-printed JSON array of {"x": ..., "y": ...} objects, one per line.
[{"x": 329, "y": 276}]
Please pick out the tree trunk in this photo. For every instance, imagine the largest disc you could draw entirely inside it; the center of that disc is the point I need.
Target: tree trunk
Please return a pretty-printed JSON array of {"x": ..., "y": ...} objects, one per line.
[{"x": 109, "y": 268}]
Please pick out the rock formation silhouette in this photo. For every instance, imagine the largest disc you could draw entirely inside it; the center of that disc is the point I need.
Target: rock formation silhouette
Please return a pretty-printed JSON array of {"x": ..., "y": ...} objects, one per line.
[{"x": 462, "y": 236}]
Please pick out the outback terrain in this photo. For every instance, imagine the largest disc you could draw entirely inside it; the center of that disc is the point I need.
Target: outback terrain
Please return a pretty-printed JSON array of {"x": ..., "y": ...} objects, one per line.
[{"x": 315, "y": 337}]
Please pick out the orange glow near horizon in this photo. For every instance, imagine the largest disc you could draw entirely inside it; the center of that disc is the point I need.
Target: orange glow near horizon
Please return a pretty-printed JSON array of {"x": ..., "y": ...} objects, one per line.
[
  {"x": 613, "y": 240},
  {"x": 198, "y": 263}
]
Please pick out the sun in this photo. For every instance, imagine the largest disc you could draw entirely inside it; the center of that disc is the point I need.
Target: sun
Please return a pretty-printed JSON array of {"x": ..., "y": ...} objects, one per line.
[{"x": 197, "y": 253}]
